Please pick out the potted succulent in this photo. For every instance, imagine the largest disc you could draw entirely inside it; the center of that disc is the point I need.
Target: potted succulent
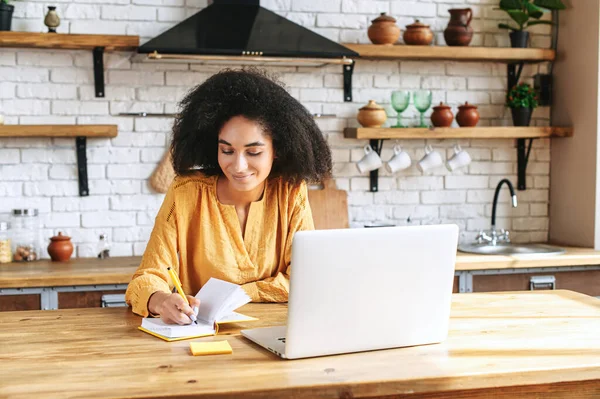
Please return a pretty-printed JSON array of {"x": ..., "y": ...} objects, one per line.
[
  {"x": 6, "y": 12},
  {"x": 526, "y": 13},
  {"x": 521, "y": 99}
]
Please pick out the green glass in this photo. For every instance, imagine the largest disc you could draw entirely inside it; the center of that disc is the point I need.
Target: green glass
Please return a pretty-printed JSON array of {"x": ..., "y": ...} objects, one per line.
[
  {"x": 422, "y": 100},
  {"x": 400, "y": 101}
]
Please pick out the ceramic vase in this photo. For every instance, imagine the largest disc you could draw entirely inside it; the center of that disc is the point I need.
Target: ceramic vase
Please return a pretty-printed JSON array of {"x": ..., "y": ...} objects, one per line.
[
  {"x": 52, "y": 20},
  {"x": 459, "y": 31}
]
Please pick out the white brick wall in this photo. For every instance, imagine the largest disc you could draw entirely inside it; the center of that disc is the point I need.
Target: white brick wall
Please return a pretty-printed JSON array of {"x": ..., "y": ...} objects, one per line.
[{"x": 46, "y": 86}]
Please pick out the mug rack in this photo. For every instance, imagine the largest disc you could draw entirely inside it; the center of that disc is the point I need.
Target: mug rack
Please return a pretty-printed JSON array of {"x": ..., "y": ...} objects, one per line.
[
  {"x": 523, "y": 152},
  {"x": 524, "y": 136}
]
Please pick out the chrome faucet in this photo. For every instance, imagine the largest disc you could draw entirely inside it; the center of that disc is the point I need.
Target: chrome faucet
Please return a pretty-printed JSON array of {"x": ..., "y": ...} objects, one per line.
[{"x": 493, "y": 237}]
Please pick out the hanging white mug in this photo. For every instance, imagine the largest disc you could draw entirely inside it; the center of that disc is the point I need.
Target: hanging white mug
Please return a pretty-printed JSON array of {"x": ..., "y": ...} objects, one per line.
[
  {"x": 370, "y": 161},
  {"x": 432, "y": 159},
  {"x": 460, "y": 159},
  {"x": 399, "y": 161}
]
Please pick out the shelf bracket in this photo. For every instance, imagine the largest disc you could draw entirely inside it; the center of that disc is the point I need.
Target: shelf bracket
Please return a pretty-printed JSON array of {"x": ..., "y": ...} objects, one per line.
[
  {"x": 348, "y": 70},
  {"x": 376, "y": 145},
  {"x": 99, "y": 70},
  {"x": 513, "y": 74},
  {"x": 522, "y": 159},
  {"x": 80, "y": 144}
]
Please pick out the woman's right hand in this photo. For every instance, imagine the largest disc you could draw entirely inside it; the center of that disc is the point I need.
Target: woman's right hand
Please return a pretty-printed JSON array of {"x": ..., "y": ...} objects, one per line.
[{"x": 172, "y": 308}]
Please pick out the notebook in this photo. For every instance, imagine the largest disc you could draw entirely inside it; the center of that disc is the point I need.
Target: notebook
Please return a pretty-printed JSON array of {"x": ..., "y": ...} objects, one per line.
[{"x": 218, "y": 300}]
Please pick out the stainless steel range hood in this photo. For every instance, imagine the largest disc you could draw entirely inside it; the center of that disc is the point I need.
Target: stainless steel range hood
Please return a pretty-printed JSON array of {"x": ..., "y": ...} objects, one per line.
[{"x": 243, "y": 32}]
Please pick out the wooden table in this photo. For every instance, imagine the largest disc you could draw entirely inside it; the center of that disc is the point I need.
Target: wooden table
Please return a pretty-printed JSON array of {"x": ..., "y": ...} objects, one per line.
[{"x": 509, "y": 345}]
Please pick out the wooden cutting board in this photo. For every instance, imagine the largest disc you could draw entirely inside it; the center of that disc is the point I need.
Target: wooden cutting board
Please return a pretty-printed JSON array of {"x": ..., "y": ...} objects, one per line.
[
  {"x": 329, "y": 207},
  {"x": 163, "y": 175}
]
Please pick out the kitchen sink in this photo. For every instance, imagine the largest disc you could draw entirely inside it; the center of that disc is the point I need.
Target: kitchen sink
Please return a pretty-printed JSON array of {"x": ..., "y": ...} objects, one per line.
[
  {"x": 497, "y": 242},
  {"x": 511, "y": 249}
]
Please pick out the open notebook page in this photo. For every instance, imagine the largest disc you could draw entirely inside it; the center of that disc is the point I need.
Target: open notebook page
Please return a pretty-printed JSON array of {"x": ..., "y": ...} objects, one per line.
[{"x": 219, "y": 298}]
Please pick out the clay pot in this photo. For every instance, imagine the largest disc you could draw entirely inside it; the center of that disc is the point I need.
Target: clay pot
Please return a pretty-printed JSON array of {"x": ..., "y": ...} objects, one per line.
[
  {"x": 60, "y": 248},
  {"x": 467, "y": 115},
  {"x": 442, "y": 116},
  {"x": 371, "y": 115},
  {"x": 418, "y": 34},
  {"x": 459, "y": 32},
  {"x": 384, "y": 30}
]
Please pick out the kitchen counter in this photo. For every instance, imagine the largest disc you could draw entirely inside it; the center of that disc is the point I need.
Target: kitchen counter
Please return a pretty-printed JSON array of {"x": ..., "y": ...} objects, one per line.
[
  {"x": 77, "y": 272},
  {"x": 573, "y": 257},
  {"x": 493, "y": 349},
  {"x": 118, "y": 270}
]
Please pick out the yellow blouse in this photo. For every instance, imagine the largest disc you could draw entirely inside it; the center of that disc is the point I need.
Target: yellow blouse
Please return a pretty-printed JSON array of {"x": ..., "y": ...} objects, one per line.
[{"x": 202, "y": 238}]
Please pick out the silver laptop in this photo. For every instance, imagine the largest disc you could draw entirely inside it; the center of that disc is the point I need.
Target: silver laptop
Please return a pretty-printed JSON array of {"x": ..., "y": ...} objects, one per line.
[{"x": 356, "y": 290}]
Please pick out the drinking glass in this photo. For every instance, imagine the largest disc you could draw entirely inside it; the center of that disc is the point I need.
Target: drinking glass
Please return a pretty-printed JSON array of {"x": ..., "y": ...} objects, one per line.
[
  {"x": 400, "y": 101},
  {"x": 422, "y": 100}
]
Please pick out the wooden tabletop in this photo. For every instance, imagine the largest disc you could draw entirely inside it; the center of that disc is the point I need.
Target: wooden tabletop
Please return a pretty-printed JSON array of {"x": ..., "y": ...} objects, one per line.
[
  {"x": 118, "y": 270},
  {"x": 503, "y": 344}
]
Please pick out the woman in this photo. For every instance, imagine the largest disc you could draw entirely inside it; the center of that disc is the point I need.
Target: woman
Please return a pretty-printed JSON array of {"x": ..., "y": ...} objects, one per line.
[{"x": 243, "y": 150}]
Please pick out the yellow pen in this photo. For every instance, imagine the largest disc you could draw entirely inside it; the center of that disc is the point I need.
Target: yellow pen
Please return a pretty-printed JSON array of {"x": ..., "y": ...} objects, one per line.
[{"x": 177, "y": 285}]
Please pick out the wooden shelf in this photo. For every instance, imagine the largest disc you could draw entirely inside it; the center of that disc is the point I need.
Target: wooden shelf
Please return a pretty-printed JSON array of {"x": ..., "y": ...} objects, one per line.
[
  {"x": 99, "y": 44},
  {"x": 69, "y": 41},
  {"x": 493, "y": 54},
  {"x": 79, "y": 132},
  {"x": 458, "y": 133},
  {"x": 58, "y": 131}
]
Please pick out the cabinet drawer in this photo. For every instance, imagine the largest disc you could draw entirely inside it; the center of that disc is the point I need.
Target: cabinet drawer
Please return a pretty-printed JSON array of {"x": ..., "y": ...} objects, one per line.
[
  {"x": 20, "y": 302},
  {"x": 83, "y": 299},
  {"x": 585, "y": 281}
]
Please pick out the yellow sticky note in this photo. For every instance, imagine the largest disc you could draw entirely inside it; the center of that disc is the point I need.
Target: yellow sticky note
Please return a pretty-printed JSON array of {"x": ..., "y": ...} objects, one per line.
[{"x": 210, "y": 348}]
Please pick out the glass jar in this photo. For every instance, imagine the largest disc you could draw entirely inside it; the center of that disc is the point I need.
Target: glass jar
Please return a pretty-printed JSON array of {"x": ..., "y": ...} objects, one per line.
[
  {"x": 5, "y": 248},
  {"x": 25, "y": 235},
  {"x": 103, "y": 247}
]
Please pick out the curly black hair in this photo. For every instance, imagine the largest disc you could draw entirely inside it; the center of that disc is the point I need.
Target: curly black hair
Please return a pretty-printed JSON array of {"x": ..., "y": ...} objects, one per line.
[{"x": 301, "y": 151}]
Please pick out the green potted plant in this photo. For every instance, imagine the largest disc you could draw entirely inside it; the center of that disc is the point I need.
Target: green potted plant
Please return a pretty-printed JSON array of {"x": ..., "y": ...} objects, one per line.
[
  {"x": 526, "y": 13},
  {"x": 521, "y": 99},
  {"x": 6, "y": 12}
]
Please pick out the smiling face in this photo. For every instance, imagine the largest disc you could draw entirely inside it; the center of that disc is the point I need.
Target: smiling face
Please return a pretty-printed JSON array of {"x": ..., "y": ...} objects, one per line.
[{"x": 245, "y": 153}]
